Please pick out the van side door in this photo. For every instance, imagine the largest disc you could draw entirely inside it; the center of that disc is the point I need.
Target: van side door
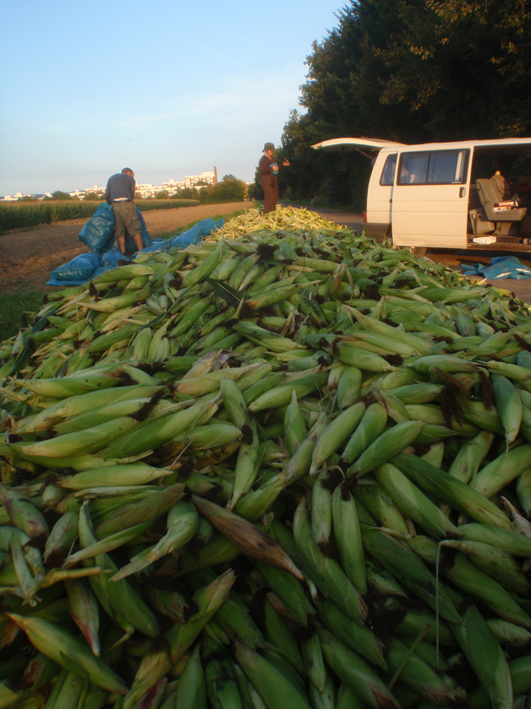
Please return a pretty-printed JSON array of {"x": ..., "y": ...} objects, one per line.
[{"x": 430, "y": 198}]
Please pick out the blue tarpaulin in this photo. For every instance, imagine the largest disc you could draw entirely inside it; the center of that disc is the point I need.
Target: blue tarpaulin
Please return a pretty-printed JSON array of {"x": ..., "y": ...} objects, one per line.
[
  {"x": 79, "y": 269},
  {"x": 499, "y": 267},
  {"x": 99, "y": 237}
]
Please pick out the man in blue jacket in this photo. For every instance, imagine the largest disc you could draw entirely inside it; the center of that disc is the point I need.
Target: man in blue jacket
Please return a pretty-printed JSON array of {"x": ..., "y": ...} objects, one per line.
[{"x": 120, "y": 194}]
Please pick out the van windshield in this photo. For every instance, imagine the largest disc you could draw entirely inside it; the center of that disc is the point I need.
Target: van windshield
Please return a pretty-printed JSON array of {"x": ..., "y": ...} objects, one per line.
[{"x": 433, "y": 167}]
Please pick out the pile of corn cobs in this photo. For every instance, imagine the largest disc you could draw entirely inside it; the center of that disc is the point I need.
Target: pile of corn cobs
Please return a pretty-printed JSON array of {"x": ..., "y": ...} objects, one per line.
[{"x": 287, "y": 467}]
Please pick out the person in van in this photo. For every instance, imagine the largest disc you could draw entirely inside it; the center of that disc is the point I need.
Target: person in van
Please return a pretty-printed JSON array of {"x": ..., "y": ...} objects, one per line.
[{"x": 522, "y": 190}]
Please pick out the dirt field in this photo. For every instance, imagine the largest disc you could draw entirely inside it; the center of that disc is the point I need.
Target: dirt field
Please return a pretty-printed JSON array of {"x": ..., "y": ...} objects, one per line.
[{"x": 28, "y": 256}]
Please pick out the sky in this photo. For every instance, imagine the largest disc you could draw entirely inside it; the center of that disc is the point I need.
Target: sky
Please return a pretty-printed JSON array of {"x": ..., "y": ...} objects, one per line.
[{"x": 168, "y": 88}]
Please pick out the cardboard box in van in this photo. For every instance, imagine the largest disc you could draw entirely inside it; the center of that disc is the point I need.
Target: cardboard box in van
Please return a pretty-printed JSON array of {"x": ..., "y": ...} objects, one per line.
[{"x": 458, "y": 195}]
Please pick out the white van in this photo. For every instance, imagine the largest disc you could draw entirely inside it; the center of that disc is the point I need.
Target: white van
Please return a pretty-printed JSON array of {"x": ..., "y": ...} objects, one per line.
[{"x": 462, "y": 195}]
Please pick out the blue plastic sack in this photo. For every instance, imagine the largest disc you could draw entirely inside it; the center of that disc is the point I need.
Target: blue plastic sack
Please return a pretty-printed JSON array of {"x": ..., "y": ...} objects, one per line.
[
  {"x": 196, "y": 233},
  {"x": 156, "y": 245},
  {"x": 192, "y": 236},
  {"x": 78, "y": 270},
  {"x": 146, "y": 240},
  {"x": 207, "y": 226},
  {"x": 99, "y": 229},
  {"x": 499, "y": 267},
  {"x": 110, "y": 258}
]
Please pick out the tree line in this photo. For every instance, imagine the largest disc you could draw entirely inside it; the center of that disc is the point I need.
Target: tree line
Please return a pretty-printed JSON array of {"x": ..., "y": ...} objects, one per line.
[{"x": 413, "y": 71}]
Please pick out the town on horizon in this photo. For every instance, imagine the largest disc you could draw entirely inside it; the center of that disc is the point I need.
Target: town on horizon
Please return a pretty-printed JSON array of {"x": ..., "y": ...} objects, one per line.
[{"x": 146, "y": 190}]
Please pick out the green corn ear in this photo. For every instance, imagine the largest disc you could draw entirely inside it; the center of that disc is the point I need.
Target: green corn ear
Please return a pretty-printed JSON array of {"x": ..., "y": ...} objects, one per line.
[
  {"x": 386, "y": 446},
  {"x": 486, "y": 657},
  {"x": 419, "y": 676},
  {"x": 84, "y": 610},
  {"x": 509, "y": 406},
  {"x": 370, "y": 427},
  {"x": 355, "y": 672},
  {"x": 502, "y": 470},
  {"x": 294, "y": 425},
  {"x": 67, "y": 651},
  {"x": 451, "y": 491},
  {"x": 335, "y": 434},
  {"x": 413, "y": 502},
  {"x": 324, "y": 571},
  {"x": 409, "y": 570},
  {"x": 272, "y": 685}
]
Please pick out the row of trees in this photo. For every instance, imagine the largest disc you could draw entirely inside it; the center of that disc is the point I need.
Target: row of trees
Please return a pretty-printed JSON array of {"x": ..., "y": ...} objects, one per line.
[
  {"x": 412, "y": 71},
  {"x": 230, "y": 189}
]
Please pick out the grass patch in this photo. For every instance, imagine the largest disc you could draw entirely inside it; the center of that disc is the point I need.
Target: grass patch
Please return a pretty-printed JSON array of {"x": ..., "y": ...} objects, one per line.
[{"x": 13, "y": 307}]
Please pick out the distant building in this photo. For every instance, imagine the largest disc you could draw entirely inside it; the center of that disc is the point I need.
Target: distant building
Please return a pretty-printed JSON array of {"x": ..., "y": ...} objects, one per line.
[
  {"x": 145, "y": 190},
  {"x": 211, "y": 178}
]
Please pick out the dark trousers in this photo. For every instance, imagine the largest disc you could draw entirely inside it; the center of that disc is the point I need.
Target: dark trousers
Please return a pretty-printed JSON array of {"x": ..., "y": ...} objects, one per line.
[{"x": 270, "y": 185}]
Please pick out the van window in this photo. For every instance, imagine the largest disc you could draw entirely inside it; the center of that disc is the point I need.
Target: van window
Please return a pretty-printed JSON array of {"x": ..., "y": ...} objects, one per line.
[
  {"x": 389, "y": 169},
  {"x": 438, "y": 167}
]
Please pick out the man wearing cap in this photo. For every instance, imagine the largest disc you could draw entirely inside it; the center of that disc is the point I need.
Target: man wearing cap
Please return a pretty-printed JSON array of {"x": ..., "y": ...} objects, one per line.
[
  {"x": 120, "y": 194},
  {"x": 269, "y": 177}
]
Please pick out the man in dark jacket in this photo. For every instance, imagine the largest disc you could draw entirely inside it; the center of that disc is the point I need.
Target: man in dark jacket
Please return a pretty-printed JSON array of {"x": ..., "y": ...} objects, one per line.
[
  {"x": 269, "y": 177},
  {"x": 120, "y": 194}
]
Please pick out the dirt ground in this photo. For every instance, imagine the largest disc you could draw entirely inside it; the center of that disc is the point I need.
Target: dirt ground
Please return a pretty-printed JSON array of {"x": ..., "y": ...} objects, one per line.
[{"x": 28, "y": 256}]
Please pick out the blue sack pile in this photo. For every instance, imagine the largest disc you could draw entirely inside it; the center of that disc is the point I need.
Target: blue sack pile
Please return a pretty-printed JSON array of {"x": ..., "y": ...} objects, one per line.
[
  {"x": 98, "y": 235},
  {"x": 98, "y": 232},
  {"x": 500, "y": 267}
]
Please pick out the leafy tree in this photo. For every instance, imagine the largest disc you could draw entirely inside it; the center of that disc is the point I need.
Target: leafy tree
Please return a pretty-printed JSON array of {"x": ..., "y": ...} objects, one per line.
[
  {"x": 187, "y": 193},
  {"x": 163, "y": 194},
  {"x": 228, "y": 190},
  {"x": 412, "y": 71},
  {"x": 58, "y": 195},
  {"x": 228, "y": 177},
  {"x": 94, "y": 197},
  {"x": 256, "y": 191}
]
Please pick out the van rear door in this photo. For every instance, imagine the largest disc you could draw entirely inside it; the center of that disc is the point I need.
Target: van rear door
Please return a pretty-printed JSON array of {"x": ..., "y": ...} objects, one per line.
[
  {"x": 430, "y": 198},
  {"x": 381, "y": 184},
  {"x": 360, "y": 144}
]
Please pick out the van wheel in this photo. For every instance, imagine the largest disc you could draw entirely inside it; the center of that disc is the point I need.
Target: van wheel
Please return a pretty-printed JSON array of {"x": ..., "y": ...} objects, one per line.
[{"x": 418, "y": 250}]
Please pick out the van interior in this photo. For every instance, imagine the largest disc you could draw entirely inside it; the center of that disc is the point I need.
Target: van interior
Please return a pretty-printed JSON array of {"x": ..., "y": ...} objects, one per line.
[{"x": 500, "y": 196}]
